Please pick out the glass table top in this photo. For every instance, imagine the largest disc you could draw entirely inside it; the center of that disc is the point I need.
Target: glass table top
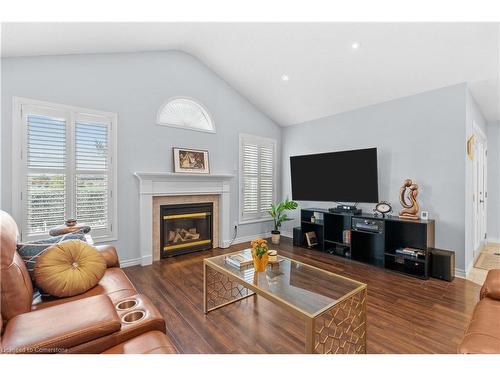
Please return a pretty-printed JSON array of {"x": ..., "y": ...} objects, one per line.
[{"x": 305, "y": 288}]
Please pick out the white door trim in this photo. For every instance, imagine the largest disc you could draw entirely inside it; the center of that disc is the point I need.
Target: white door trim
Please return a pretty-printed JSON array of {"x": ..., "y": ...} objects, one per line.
[{"x": 479, "y": 175}]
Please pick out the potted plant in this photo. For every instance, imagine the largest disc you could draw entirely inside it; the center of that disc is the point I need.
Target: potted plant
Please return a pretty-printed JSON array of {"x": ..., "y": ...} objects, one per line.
[
  {"x": 260, "y": 254},
  {"x": 278, "y": 214}
]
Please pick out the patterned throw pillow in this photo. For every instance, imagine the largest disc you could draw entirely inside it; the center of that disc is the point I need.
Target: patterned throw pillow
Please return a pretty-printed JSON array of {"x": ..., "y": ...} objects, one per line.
[{"x": 30, "y": 251}]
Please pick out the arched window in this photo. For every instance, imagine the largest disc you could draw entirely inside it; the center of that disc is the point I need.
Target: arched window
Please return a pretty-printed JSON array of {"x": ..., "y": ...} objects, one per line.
[{"x": 185, "y": 113}]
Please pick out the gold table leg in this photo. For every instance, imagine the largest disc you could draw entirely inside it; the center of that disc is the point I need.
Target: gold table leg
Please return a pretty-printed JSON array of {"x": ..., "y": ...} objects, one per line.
[
  {"x": 310, "y": 336},
  {"x": 340, "y": 329},
  {"x": 220, "y": 290}
]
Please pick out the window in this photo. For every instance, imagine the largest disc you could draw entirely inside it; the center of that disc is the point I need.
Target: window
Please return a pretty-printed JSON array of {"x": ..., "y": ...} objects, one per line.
[
  {"x": 185, "y": 113},
  {"x": 257, "y": 177},
  {"x": 66, "y": 168}
]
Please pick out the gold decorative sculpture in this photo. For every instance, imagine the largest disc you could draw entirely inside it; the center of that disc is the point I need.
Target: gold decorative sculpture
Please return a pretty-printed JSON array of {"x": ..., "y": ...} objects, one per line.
[{"x": 410, "y": 209}]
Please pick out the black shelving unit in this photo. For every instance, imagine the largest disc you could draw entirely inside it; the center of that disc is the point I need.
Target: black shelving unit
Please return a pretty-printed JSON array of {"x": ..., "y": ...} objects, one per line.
[{"x": 376, "y": 246}]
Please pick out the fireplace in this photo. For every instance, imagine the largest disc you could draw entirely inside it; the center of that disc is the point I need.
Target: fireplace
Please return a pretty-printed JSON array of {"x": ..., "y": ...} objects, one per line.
[{"x": 185, "y": 228}]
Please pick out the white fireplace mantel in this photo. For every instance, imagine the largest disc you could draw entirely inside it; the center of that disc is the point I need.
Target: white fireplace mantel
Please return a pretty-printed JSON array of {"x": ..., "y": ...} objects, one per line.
[
  {"x": 155, "y": 184},
  {"x": 180, "y": 176}
]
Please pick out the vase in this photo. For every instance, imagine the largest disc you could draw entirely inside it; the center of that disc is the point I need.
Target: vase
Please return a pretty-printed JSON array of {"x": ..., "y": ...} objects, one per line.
[
  {"x": 275, "y": 237},
  {"x": 260, "y": 264}
]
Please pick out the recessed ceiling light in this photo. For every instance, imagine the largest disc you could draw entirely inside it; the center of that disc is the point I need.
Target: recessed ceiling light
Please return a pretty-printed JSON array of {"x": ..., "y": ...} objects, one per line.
[
  {"x": 285, "y": 78},
  {"x": 355, "y": 45}
]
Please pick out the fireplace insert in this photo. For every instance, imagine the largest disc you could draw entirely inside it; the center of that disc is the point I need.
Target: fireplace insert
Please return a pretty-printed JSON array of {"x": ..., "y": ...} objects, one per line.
[{"x": 185, "y": 228}]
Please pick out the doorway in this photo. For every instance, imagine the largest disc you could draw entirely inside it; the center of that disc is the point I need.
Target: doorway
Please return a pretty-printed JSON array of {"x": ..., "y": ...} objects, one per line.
[{"x": 480, "y": 193}]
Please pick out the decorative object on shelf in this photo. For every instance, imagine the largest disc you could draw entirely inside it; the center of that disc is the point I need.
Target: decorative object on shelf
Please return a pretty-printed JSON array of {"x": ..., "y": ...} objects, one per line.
[
  {"x": 382, "y": 208},
  {"x": 279, "y": 216},
  {"x": 470, "y": 147},
  {"x": 313, "y": 219},
  {"x": 424, "y": 215},
  {"x": 311, "y": 239},
  {"x": 70, "y": 222},
  {"x": 191, "y": 161},
  {"x": 260, "y": 254},
  {"x": 70, "y": 226},
  {"x": 346, "y": 236},
  {"x": 410, "y": 206}
]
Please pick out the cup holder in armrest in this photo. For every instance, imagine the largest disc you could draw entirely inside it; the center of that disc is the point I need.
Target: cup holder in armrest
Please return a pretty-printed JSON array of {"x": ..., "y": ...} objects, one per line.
[
  {"x": 127, "y": 304},
  {"x": 133, "y": 316}
]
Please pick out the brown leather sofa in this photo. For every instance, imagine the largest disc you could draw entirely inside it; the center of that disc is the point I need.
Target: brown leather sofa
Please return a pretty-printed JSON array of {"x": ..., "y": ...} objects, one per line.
[
  {"x": 483, "y": 333},
  {"x": 109, "y": 318}
]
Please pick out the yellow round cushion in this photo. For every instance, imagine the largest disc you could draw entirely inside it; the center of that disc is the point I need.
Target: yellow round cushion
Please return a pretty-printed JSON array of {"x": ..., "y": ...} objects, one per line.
[{"x": 69, "y": 268}]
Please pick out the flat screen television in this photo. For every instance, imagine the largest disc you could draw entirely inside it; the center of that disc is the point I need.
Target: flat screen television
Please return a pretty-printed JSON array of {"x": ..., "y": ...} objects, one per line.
[{"x": 345, "y": 176}]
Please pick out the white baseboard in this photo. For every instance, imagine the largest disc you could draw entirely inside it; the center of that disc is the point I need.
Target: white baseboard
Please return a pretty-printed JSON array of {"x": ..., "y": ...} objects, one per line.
[
  {"x": 460, "y": 273},
  {"x": 242, "y": 239},
  {"x": 493, "y": 241},
  {"x": 463, "y": 274},
  {"x": 130, "y": 262},
  {"x": 287, "y": 234},
  {"x": 469, "y": 268}
]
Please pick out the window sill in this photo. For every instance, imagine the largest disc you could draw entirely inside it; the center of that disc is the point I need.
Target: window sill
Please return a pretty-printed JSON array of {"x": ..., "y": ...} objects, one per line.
[
  {"x": 103, "y": 240},
  {"x": 252, "y": 221},
  {"x": 98, "y": 240}
]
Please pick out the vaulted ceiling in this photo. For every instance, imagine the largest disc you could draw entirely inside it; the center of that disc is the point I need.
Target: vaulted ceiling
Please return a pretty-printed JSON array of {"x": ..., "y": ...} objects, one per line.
[{"x": 326, "y": 75}]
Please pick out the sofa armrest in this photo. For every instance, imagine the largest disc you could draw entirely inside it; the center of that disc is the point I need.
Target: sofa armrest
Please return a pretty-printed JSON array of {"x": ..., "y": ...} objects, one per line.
[
  {"x": 491, "y": 286},
  {"x": 58, "y": 328},
  {"x": 110, "y": 255}
]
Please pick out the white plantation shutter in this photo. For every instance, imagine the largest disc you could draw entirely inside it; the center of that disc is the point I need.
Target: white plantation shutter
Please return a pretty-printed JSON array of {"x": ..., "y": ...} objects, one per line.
[
  {"x": 250, "y": 179},
  {"x": 92, "y": 169},
  {"x": 257, "y": 160},
  {"x": 185, "y": 113},
  {"x": 68, "y": 164},
  {"x": 46, "y": 177},
  {"x": 266, "y": 181}
]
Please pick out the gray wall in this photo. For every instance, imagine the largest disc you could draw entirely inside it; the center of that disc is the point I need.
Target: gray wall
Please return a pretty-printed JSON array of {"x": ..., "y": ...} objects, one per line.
[
  {"x": 419, "y": 137},
  {"x": 135, "y": 85},
  {"x": 493, "y": 132}
]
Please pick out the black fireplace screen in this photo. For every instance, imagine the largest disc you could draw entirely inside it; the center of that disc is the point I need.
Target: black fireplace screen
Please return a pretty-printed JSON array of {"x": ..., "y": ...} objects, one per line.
[{"x": 185, "y": 228}]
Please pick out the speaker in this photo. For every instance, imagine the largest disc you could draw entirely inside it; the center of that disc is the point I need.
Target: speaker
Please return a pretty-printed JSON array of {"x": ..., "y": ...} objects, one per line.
[
  {"x": 298, "y": 237},
  {"x": 442, "y": 264}
]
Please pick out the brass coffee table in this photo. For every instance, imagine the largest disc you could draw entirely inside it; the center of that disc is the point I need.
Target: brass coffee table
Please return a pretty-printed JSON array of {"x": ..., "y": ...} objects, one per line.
[{"x": 333, "y": 306}]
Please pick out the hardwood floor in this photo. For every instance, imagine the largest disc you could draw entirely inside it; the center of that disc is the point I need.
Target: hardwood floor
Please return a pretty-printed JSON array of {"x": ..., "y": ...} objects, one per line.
[{"x": 404, "y": 314}]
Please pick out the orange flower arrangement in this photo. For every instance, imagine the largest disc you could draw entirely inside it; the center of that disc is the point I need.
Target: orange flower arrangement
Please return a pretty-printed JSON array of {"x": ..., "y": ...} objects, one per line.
[{"x": 260, "y": 254}]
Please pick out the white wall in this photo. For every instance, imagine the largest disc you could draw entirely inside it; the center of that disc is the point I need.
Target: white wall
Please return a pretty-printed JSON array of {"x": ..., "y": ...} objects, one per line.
[
  {"x": 135, "y": 85},
  {"x": 493, "y": 218},
  {"x": 419, "y": 137}
]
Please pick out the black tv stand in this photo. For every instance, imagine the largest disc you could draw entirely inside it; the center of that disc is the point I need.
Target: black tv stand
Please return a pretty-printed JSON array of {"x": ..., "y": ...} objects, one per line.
[{"x": 373, "y": 239}]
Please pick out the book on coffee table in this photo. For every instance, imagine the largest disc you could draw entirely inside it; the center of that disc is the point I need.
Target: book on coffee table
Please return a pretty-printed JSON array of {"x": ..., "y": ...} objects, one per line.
[{"x": 241, "y": 259}]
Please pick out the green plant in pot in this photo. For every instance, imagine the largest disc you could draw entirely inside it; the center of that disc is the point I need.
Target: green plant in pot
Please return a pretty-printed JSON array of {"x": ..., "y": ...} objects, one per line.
[{"x": 279, "y": 216}]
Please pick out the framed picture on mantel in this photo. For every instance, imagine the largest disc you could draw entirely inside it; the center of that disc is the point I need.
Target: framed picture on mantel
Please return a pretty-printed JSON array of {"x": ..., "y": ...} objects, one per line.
[{"x": 191, "y": 161}]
